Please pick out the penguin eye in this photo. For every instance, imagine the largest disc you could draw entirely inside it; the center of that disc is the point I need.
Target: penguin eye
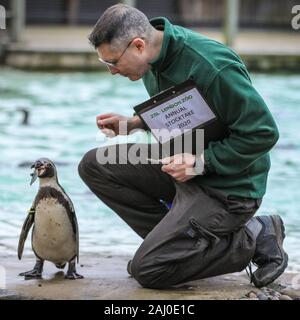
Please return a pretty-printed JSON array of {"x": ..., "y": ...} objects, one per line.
[
  {"x": 48, "y": 165},
  {"x": 38, "y": 164}
]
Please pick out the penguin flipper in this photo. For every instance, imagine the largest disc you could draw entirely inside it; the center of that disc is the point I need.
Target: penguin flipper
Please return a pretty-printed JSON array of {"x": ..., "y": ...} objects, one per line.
[
  {"x": 24, "y": 232},
  {"x": 75, "y": 224}
]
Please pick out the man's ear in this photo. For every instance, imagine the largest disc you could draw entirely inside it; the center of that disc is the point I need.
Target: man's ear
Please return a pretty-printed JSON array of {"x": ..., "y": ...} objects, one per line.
[{"x": 139, "y": 43}]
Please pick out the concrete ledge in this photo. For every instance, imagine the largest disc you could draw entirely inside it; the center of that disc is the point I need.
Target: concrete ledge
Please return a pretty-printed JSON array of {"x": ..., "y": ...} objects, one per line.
[
  {"x": 106, "y": 278},
  {"x": 78, "y": 60},
  {"x": 272, "y": 62},
  {"x": 53, "y": 60},
  {"x": 67, "y": 48}
]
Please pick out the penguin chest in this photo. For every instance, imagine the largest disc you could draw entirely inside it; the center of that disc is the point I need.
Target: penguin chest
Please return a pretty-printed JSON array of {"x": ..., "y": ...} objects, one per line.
[{"x": 53, "y": 237}]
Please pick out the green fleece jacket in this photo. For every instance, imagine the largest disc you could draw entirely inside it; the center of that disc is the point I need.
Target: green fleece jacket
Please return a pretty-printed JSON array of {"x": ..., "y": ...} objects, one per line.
[{"x": 239, "y": 164}]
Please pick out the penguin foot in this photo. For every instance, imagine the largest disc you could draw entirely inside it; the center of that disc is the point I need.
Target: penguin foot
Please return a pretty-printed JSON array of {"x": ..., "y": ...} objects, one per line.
[
  {"x": 36, "y": 272},
  {"x": 73, "y": 276},
  {"x": 32, "y": 274}
]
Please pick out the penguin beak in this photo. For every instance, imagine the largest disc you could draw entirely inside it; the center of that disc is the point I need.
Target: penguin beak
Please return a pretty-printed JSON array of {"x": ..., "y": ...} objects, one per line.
[
  {"x": 35, "y": 173},
  {"x": 34, "y": 176}
]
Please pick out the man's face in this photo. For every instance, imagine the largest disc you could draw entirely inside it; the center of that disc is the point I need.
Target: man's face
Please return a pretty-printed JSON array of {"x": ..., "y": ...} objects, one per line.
[{"x": 130, "y": 61}]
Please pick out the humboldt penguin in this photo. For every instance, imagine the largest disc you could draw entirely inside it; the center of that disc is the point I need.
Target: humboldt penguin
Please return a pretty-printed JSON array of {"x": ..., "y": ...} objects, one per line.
[{"x": 55, "y": 235}]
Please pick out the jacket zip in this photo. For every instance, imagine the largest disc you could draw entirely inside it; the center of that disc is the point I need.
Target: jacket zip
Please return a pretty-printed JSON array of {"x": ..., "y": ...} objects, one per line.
[{"x": 157, "y": 81}]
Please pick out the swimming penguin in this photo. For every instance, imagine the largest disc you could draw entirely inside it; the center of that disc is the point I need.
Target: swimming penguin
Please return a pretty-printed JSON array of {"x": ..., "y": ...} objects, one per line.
[
  {"x": 25, "y": 119},
  {"x": 55, "y": 235}
]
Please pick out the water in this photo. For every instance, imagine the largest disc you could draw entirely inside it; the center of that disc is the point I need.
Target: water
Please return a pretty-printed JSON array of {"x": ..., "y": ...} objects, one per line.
[{"x": 62, "y": 127}]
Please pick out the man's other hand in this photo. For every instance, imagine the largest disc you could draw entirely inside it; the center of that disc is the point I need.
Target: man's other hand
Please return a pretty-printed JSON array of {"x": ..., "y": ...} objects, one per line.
[
  {"x": 112, "y": 124},
  {"x": 180, "y": 166}
]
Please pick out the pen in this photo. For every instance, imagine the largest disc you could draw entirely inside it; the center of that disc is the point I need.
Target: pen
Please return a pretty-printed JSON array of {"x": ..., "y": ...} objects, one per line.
[{"x": 155, "y": 161}]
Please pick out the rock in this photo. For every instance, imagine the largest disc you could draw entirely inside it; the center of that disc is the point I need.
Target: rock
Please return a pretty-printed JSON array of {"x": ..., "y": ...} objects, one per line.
[
  {"x": 285, "y": 297},
  {"x": 274, "y": 293},
  {"x": 291, "y": 293},
  {"x": 277, "y": 295},
  {"x": 251, "y": 295},
  {"x": 262, "y": 296}
]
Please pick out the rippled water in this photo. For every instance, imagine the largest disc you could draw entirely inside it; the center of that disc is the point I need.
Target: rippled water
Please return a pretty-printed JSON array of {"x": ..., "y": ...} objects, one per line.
[{"x": 62, "y": 127}]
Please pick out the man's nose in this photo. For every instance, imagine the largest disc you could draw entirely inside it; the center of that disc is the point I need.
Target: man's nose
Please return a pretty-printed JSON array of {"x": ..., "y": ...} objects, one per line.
[{"x": 113, "y": 70}]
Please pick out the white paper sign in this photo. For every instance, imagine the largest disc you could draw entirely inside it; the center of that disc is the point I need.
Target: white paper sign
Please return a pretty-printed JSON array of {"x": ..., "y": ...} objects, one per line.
[{"x": 179, "y": 115}]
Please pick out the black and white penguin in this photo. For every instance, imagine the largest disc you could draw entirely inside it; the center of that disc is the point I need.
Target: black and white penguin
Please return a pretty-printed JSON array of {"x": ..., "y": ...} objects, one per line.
[{"x": 55, "y": 235}]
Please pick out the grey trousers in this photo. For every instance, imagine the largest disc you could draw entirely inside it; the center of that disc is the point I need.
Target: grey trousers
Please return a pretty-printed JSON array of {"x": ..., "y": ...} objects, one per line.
[{"x": 202, "y": 235}]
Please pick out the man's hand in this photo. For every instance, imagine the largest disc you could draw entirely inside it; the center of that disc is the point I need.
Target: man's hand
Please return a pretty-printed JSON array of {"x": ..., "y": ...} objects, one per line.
[
  {"x": 180, "y": 166},
  {"x": 109, "y": 124}
]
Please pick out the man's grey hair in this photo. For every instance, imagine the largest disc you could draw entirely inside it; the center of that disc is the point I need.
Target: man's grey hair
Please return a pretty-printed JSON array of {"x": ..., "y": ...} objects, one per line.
[{"x": 118, "y": 25}]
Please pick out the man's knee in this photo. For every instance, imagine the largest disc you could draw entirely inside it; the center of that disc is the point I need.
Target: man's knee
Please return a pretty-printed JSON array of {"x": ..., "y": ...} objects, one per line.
[
  {"x": 151, "y": 275},
  {"x": 86, "y": 163}
]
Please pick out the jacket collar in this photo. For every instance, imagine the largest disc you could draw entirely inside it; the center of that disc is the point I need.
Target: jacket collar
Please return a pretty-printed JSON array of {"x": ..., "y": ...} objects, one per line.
[{"x": 171, "y": 44}]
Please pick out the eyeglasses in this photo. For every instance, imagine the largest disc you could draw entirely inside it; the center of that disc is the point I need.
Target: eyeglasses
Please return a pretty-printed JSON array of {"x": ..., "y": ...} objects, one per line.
[{"x": 115, "y": 63}]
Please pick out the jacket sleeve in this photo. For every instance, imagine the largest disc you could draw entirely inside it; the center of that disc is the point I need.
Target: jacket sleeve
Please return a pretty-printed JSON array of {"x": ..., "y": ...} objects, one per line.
[{"x": 253, "y": 131}]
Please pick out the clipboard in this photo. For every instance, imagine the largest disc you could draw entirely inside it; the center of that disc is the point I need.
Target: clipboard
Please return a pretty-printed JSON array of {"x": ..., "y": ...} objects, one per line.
[{"x": 181, "y": 109}]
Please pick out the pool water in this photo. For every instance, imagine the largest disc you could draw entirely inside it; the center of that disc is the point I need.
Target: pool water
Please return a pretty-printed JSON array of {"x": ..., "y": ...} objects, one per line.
[{"x": 62, "y": 109}]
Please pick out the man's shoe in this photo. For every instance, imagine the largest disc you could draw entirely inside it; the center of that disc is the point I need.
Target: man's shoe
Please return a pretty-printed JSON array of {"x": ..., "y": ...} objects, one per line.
[{"x": 269, "y": 257}]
